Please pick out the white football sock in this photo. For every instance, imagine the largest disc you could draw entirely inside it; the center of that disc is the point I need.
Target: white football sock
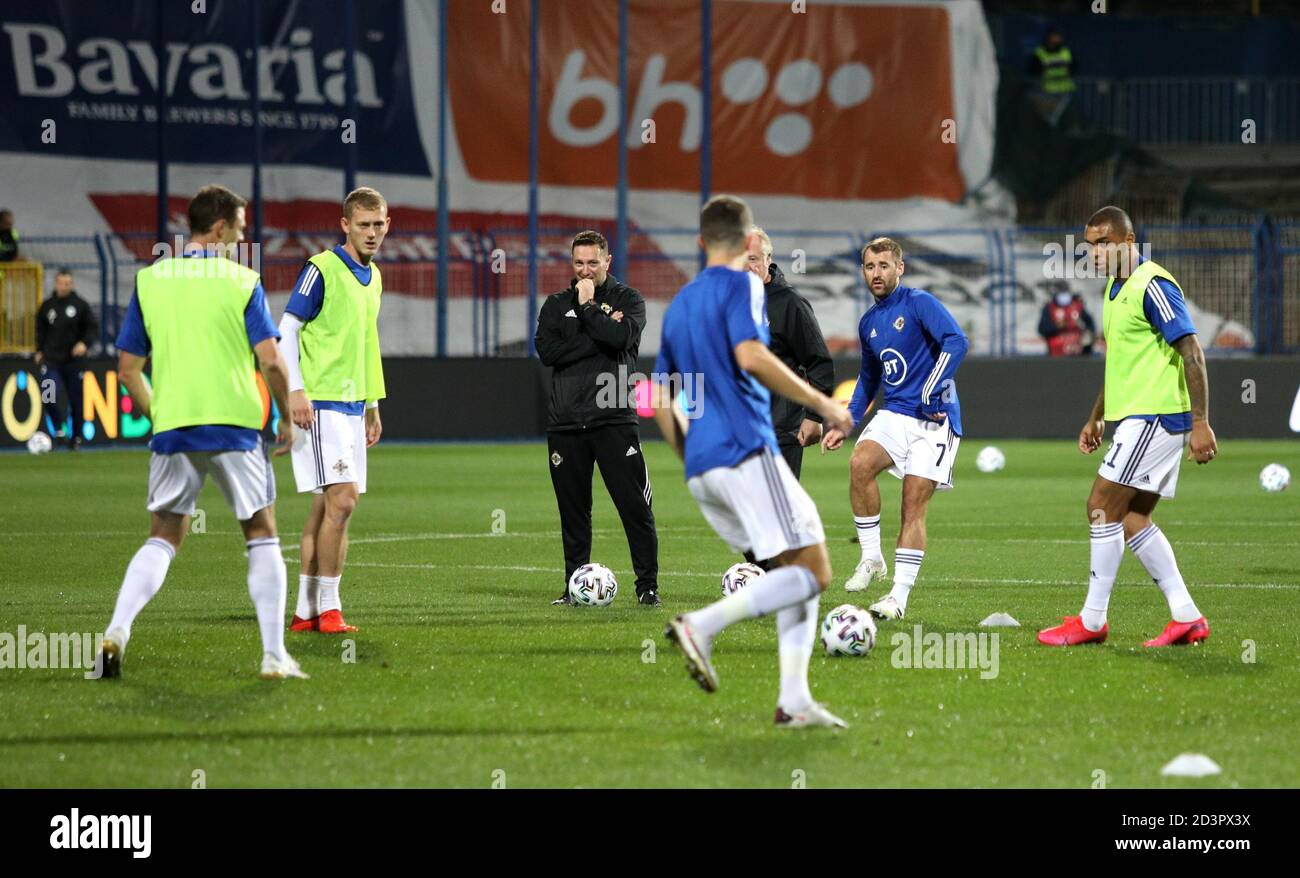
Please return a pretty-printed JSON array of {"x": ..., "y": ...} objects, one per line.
[
  {"x": 1152, "y": 548},
  {"x": 328, "y": 598},
  {"x": 868, "y": 528},
  {"x": 782, "y": 587},
  {"x": 144, "y": 576},
  {"x": 267, "y": 586},
  {"x": 796, "y": 630},
  {"x": 907, "y": 564},
  {"x": 1107, "y": 550},
  {"x": 308, "y": 596}
]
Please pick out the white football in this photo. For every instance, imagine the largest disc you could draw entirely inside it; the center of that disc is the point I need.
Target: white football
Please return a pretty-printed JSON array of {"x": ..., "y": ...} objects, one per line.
[
  {"x": 592, "y": 585},
  {"x": 738, "y": 576},
  {"x": 40, "y": 443},
  {"x": 1273, "y": 477},
  {"x": 848, "y": 630},
  {"x": 990, "y": 459}
]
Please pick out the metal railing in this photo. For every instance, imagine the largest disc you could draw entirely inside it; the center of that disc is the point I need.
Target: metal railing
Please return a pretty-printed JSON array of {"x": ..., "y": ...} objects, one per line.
[
  {"x": 1196, "y": 111},
  {"x": 1242, "y": 281}
]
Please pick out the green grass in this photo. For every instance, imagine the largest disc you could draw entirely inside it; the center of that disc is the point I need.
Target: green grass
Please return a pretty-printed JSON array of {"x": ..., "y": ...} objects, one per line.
[{"x": 462, "y": 668}]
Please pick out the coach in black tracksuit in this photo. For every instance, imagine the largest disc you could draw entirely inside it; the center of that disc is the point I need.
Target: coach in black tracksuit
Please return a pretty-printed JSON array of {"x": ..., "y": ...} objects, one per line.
[
  {"x": 65, "y": 328},
  {"x": 589, "y": 335},
  {"x": 797, "y": 340}
]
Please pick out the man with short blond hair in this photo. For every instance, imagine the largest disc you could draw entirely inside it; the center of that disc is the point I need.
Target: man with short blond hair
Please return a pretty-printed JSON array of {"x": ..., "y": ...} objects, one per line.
[{"x": 330, "y": 338}]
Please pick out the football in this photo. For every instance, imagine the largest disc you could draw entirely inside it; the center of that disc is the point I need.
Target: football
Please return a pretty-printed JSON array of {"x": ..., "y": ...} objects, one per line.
[
  {"x": 1272, "y": 478},
  {"x": 848, "y": 630},
  {"x": 738, "y": 576},
  {"x": 990, "y": 459},
  {"x": 592, "y": 585},
  {"x": 40, "y": 443}
]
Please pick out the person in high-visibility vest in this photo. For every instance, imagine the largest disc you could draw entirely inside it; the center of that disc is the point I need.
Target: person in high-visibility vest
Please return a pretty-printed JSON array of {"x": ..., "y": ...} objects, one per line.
[
  {"x": 1157, "y": 391},
  {"x": 1053, "y": 64},
  {"x": 330, "y": 341},
  {"x": 202, "y": 319}
]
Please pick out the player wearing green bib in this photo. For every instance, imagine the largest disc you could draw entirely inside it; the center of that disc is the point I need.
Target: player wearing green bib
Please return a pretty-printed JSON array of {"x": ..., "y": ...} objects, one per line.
[
  {"x": 330, "y": 341},
  {"x": 1156, "y": 389},
  {"x": 203, "y": 320}
]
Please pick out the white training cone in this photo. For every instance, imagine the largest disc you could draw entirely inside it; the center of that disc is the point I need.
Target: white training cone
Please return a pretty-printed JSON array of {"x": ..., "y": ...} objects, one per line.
[
  {"x": 1000, "y": 620},
  {"x": 1191, "y": 765}
]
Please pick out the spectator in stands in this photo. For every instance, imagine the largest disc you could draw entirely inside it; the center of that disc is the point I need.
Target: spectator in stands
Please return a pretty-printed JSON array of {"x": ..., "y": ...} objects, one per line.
[
  {"x": 1066, "y": 326},
  {"x": 8, "y": 237},
  {"x": 65, "y": 329},
  {"x": 1053, "y": 65}
]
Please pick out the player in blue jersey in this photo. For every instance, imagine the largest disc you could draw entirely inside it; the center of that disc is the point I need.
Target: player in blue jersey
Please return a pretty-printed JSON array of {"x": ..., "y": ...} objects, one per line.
[
  {"x": 715, "y": 335},
  {"x": 913, "y": 345}
]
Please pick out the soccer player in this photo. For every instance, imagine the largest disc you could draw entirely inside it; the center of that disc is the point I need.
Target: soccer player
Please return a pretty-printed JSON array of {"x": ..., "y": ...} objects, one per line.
[
  {"x": 912, "y": 344},
  {"x": 1157, "y": 389},
  {"x": 330, "y": 340},
  {"x": 797, "y": 341},
  {"x": 203, "y": 318},
  {"x": 715, "y": 330}
]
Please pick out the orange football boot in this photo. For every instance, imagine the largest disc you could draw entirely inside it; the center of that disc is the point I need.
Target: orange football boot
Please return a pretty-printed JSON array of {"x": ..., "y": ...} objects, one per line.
[
  {"x": 1182, "y": 633},
  {"x": 1072, "y": 633},
  {"x": 331, "y": 622}
]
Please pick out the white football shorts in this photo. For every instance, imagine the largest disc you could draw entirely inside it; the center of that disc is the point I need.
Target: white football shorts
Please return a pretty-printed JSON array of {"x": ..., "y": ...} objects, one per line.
[
  {"x": 333, "y": 451},
  {"x": 927, "y": 449},
  {"x": 245, "y": 478},
  {"x": 758, "y": 506},
  {"x": 1144, "y": 455}
]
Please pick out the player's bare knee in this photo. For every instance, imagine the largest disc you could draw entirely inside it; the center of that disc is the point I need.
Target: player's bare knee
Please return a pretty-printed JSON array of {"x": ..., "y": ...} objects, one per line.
[
  {"x": 339, "y": 505},
  {"x": 1135, "y": 523},
  {"x": 861, "y": 469},
  {"x": 170, "y": 528},
  {"x": 1098, "y": 510}
]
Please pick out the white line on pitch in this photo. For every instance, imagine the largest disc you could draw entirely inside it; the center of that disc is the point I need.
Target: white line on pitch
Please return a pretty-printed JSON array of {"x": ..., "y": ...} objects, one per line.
[{"x": 714, "y": 575}]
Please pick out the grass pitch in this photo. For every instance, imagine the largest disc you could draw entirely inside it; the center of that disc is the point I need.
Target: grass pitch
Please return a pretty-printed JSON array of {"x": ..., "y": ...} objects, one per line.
[{"x": 463, "y": 675}]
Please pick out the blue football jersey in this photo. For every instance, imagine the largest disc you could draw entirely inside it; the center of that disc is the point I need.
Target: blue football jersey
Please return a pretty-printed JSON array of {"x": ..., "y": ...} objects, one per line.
[
  {"x": 732, "y": 418},
  {"x": 913, "y": 345}
]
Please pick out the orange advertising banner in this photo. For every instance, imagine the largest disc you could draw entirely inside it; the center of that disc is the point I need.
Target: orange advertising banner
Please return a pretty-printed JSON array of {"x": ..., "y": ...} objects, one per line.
[{"x": 840, "y": 101}]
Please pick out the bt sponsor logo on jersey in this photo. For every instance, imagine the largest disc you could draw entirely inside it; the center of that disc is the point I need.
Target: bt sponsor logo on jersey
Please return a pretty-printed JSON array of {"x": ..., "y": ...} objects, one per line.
[
  {"x": 100, "y": 65},
  {"x": 895, "y": 366},
  {"x": 804, "y": 110}
]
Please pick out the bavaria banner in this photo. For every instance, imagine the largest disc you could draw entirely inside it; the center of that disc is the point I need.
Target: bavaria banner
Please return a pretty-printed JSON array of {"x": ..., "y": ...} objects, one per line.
[{"x": 83, "y": 79}]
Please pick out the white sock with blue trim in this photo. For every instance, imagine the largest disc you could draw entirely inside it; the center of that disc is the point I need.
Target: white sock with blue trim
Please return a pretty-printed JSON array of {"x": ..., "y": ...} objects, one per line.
[
  {"x": 907, "y": 565},
  {"x": 1152, "y": 548},
  {"x": 868, "y": 528},
  {"x": 773, "y": 591},
  {"x": 267, "y": 586},
  {"x": 144, "y": 577},
  {"x": 1107, "y": 550}
]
